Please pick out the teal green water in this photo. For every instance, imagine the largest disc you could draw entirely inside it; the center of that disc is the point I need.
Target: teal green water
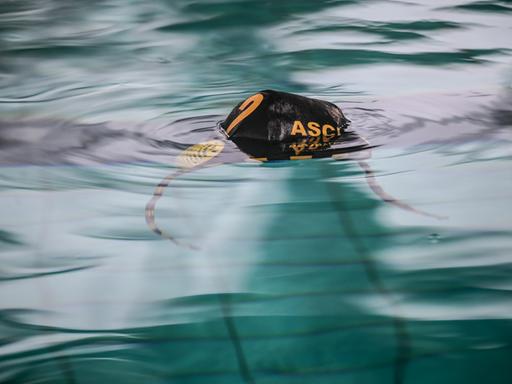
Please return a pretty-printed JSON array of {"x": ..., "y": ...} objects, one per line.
[{"x": 302, "y": 274}]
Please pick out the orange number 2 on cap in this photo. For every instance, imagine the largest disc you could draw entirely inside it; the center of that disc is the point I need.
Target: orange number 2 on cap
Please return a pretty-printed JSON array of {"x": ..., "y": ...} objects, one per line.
[{"x": 247, "y": 107}]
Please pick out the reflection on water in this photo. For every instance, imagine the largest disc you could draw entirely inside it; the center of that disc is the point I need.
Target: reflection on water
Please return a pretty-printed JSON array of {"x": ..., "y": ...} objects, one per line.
[{"x": 301, "y": 273}]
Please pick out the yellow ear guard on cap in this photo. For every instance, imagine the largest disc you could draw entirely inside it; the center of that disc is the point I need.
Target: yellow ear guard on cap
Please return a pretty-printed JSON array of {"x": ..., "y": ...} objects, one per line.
[{"x": 199, "y": 153}]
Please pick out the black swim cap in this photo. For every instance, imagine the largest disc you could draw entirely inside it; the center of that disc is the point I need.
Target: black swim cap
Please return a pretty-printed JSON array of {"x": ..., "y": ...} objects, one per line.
[
  {"x": 274, "y": 116},
  {"x": 276, "y": 125}
]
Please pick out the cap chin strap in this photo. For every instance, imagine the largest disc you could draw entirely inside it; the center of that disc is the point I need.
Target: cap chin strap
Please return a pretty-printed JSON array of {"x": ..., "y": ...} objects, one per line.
[{"x": 189, "y": 159}]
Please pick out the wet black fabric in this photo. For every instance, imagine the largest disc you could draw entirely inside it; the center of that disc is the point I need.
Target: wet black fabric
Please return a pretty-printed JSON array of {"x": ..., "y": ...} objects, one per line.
[
  {"x": 273, "y": 119},
  {"x": 268, "y": 130}
]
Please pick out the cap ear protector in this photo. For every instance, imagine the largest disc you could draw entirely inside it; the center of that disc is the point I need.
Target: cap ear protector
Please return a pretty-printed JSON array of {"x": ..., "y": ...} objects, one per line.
[{"x": 199, "y": 153}]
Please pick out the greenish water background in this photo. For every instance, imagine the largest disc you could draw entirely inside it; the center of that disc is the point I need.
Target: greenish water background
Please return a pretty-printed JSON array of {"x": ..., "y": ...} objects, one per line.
[{"x": 303, "y": 274}]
